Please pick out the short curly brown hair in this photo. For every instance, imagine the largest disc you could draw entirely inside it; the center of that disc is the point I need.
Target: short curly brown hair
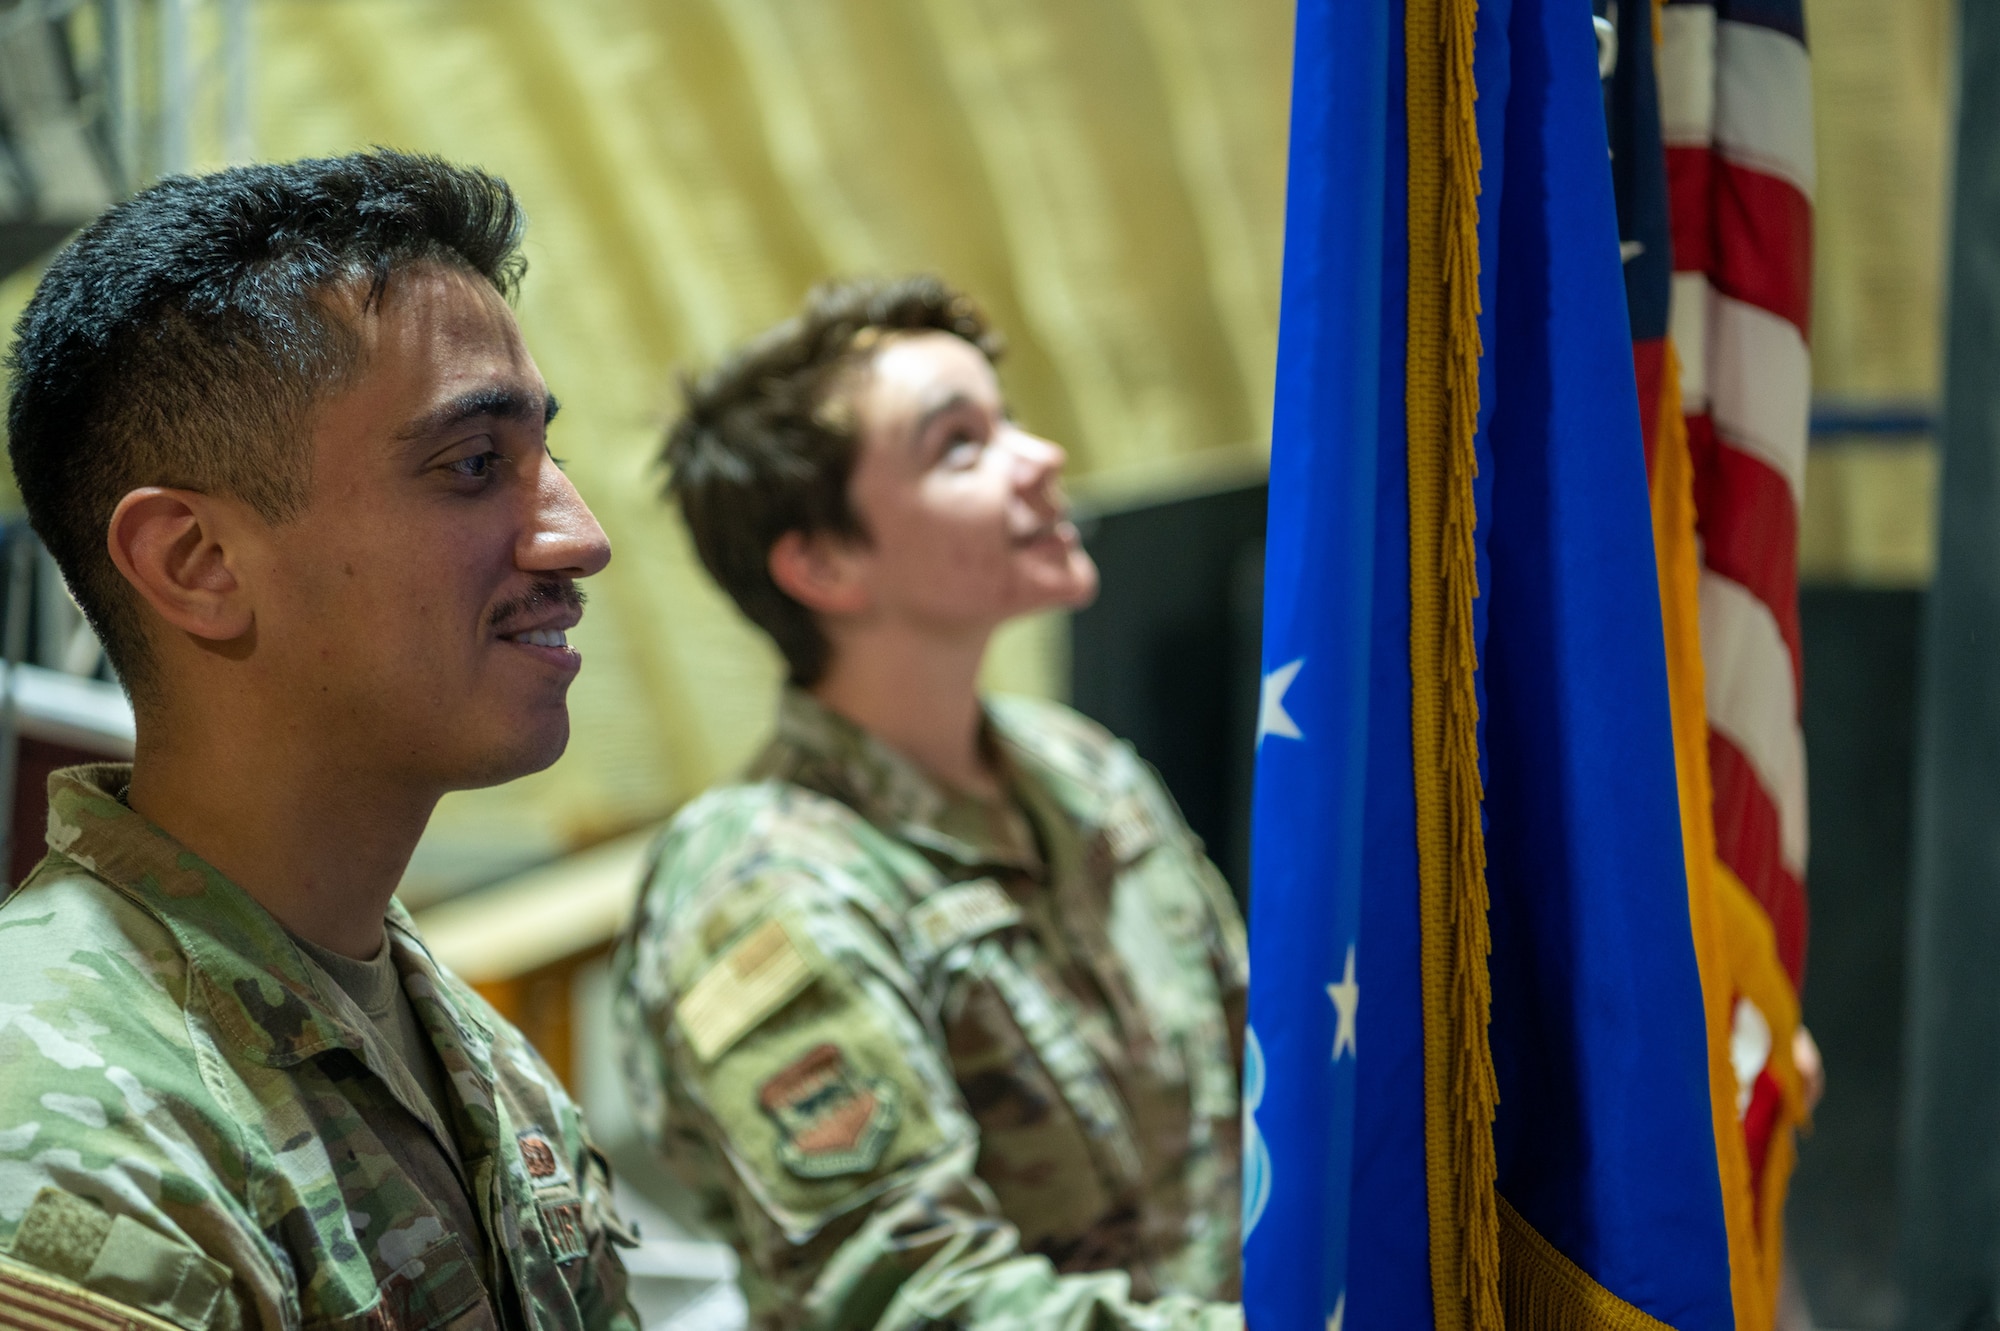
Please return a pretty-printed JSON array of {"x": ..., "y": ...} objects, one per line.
[{"x": 766, "y": 446}]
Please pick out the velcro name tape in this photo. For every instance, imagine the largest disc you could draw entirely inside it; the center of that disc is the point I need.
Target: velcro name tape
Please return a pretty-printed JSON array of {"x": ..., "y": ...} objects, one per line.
[{"x": 961, "y": 913}]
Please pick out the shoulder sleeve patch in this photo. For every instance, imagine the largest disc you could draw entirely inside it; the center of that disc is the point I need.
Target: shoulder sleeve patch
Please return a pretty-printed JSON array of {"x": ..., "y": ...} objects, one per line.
[
  {"x": 828, "y": 1106},
  {"x": 959, "y": 914},
  {"x": 831, "y": 1120},
  {"x": 42, "y": 1302},
  {"x": 743, "y": 986}
]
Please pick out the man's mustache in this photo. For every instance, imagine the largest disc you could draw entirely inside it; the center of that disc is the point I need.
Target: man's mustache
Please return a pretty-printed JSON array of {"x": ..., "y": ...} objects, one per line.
[{"x": 541, "y": 595}]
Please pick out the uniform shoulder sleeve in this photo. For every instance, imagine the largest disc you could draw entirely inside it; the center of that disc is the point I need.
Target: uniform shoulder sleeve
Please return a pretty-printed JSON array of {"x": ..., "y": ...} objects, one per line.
[
  {"x": 768, "y": 956},
  {"x": 120, "y": 1173},
  {"x": 1060, "y": 737},
  {"x": 1099, "y": 778},
  {"x": 745, "y": 831}
]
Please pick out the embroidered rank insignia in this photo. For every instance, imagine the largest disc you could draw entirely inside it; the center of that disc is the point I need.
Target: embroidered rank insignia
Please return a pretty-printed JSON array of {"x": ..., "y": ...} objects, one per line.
[
  {"x": 830, "y": 1121},
  {"x": 745, "y": 985},
  {"x": 959, "y": 914},
  {"x": 544, "y": 1164}
]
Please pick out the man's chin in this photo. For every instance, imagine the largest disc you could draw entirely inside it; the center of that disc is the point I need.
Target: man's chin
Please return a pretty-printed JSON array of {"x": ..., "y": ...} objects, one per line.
[{"x": 527, "y": 751}]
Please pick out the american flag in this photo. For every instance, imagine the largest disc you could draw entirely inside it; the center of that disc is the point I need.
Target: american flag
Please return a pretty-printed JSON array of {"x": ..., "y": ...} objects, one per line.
[
  {"x": 1735, "y": 110},
  {"x": 1712, "y": 157},
  {"x": 1736, "y": 116}
]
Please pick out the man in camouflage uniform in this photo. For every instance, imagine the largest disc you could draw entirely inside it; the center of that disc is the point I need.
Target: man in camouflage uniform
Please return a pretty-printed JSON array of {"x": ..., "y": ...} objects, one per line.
[
  {"x": 940, "y": 1009},
  {"x": 278, "y": 428}
]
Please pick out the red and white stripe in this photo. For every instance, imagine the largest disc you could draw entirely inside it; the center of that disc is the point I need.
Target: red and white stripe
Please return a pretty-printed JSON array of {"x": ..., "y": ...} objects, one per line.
[{"x": 1736, "y": 114}]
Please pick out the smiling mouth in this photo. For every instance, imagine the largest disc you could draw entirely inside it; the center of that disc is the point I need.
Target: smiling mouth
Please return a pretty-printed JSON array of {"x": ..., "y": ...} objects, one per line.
[{"x": 543, "y": 617}]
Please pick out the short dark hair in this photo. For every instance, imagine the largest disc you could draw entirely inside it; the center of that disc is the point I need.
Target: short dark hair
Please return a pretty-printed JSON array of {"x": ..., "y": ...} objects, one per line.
[
  {"x": 184, "y": 337},
  {"x": 766, "y": 446}
]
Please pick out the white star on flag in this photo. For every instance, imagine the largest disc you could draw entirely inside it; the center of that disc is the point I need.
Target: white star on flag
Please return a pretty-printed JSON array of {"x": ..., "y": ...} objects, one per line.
[
  {"x": 1272, "y": 718},
  {"x": 1339, "y": 1312},
  {"x": 1346, "y": 998}
]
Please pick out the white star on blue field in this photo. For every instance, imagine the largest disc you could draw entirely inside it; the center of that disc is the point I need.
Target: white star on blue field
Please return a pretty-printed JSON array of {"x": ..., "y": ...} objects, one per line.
[
  {"x": 1272, "y": 718},
  {"x": 1346, "y": 998}
]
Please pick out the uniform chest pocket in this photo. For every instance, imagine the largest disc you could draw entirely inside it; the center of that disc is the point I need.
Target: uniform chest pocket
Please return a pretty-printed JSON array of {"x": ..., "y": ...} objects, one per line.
[
  {"x": 559, "y": 1210},
  {"x": 563, "y": 1203},
  {"x": 436, "y": 1288}
]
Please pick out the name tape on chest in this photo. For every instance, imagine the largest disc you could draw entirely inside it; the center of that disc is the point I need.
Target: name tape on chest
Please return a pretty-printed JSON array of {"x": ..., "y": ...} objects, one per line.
[
  {"x": 1129, "y": 830},
  {"x": 745, "y": 985},
  {"x": 959, "y": 914}
]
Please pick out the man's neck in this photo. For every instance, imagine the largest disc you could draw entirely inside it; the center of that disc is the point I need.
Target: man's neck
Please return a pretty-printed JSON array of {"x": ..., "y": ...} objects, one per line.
[
  {"x": 322, "y": 851},
  {"x": 919, "y": 697}
]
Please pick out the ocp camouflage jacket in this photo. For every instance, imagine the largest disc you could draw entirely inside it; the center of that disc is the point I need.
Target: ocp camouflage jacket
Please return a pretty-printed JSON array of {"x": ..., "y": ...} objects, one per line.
[
  {"x": 185, "y": 1117},
  {"x": 935, "y": 1060}
]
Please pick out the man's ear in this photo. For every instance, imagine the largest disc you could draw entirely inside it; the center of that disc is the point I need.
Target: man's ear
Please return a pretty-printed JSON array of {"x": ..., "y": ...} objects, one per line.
[
  {"x": 820, "y": 571},
  {"x": 170, "y": 545}
]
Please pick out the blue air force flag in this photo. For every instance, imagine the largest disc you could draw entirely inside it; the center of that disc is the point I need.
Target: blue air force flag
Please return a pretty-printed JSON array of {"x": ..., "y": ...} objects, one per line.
[{"x": 1598, "y": 1173}]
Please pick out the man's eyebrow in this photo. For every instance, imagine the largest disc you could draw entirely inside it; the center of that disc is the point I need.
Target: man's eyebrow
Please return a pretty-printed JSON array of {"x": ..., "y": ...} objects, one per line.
[{"x": 505, "y": 404}]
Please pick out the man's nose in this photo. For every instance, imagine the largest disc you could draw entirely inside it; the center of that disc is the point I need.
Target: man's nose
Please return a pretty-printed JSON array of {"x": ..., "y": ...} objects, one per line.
[{"x": 565, "y": 537}]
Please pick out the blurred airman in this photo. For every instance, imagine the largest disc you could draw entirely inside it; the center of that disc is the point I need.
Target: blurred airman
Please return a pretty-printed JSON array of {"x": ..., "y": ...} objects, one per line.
[{"x": 940, "y": 1007}]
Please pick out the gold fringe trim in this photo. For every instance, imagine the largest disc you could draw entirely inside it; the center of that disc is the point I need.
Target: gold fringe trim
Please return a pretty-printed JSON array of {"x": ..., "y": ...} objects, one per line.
[
  {"x": 1543, "y": 1290},
  {"x": 1678, "y": 557},
  {"x": 1734, "y": 943},
  {"x": 1442, "y": 401},
  {"x": 1759, "y": 976}
]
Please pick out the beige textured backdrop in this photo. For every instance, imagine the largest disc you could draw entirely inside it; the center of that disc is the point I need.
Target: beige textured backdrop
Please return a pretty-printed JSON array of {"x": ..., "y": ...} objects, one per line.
[
  {"x": 1107, "y": 177},
  {"x": 1882, "y": 87}
]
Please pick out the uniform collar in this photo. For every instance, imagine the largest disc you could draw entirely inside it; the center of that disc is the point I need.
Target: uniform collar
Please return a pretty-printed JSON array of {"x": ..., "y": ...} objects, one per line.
[
  {"x": 257, "y": 983},
  {"x": 818, "y": 748}
]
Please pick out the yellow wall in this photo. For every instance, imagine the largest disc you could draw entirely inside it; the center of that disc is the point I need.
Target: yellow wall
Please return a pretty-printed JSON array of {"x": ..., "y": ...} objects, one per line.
[
  {"x": 1882, "y": 93},
  {"x": 1107, "y": 177},
  {"x": 1883, "y": 105}
]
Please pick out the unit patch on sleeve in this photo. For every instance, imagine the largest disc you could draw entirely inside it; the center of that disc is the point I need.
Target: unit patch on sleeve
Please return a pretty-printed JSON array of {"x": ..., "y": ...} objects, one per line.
[
  {"x": 830, "y": 1121},
  {"x": 745, "y": 985}
]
